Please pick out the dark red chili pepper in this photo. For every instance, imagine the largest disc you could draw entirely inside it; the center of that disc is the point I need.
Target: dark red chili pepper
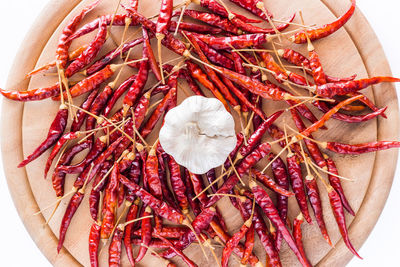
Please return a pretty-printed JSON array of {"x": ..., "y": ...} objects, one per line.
[
  {"x": 316, "y": 68},
  {"x": 98, "y": 105},
  {"x": 118, "y": 93},
  {"x": 33, "y": 94},
  {"x": 167, "y": 232},
  {"x": 60, "y": 143},
  {"x": 73, "y": 205},
  {"x": 360, "y": 148},
  {"x": 94, "y": 239},
  {"x": 164, "y": 18},
  {"x": 238, "y": 42},
  {"x": 325, "y": 30},
  {"x": 90, "y": 53},
  {"x": 268, "y": 182},
  {"x": 151, "y": 174},
  {"x": 80, "y": 114},
  {"x": 148, "y": 53},
  {"x": 233, "y": 242},
  {"x": 214, "y": 20},
  {"x": 239, "y": 143},
  {"x": 159, "y": 207},
  {"x": 265, "y": 202},
  {"x": 106, "y": 59},
  {"x": 94, "y": 197},
  {"x": 249, "y": 244},
  {"x": 191, "y": 27},
  {"x": 336, "y": 184},
  {"x": 337, "y": 208},
  {"x": 197, "y": 73},
  {"x": 214, "y": 56},
  {"x": 255, "y": 138},
  {"x": 259, "y": 153},
  {"x": 90, "y": 83},
  {"x": 155, "y": 243},
  {"x": 115, "y": 248},
  {"x": 298, "y": 235},
  {"x": 296, "y": 179},
  {"x": 146, "y": 234},
  {"x": 211, "y": 178},
  {"x": 342, "y": 88},
  {"x": 58, "y": 177},
  {"x": 178, "y": 187},
  {"x": 179, "y": 252},
  {"x": 132, "y": 214},
  {"x": 190, "y": 193},
  {"x": 254, "y": 6},
  {"x": 63, "y": 42},
  {"x": 253, "y": 29},
  {"x": 56, "y": 130},
  {"x": 110, "y": 204}
]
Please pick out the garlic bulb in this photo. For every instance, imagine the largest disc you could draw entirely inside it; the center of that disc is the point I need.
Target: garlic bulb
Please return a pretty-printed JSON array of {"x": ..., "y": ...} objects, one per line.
[{"x": 199, "y": 134}]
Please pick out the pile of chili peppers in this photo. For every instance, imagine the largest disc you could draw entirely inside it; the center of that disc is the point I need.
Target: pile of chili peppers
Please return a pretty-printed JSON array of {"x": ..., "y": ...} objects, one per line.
[{"x": 125, "y": 171}]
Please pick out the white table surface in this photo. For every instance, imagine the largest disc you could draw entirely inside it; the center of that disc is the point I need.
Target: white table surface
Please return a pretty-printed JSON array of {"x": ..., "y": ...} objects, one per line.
[{"x": 16, "y": 246}]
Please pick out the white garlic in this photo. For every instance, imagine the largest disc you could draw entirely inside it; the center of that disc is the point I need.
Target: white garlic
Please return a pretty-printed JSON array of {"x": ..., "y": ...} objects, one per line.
[{"x": 199, "y": 134}]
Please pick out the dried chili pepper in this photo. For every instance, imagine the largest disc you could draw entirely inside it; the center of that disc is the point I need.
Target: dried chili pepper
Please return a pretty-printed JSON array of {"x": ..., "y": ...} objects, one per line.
[
  {"x": 191, "y": 27},
  {"x": 94, "y": 239},
  {"x": 298, "y": 235},
  {"x": 94, "y": 197},
  {"x": 132, "y": 214},
  {"x": 115, "y": 248},
  {"x": 56, "y": 130},
  {"x": 267, "y": 206},
  {"x": 268, "y": 182},
  {"x": 33, "y": 94},
  {"x": 325, "y": 30},
  {"x": 146, "y": 234},
  {"x": 80, "y": 114},
  {"x": 238, "y": 42},
  {"x": 167, "y": 232},
  {"x": 239, "y": 143},
  {"x": 152, "y": 180},
  {"x": 178, "y": 187},
  {"x": 90, "y": 53},
  {"x": 191, "y": 82},
  {"x": 358, "y": 149},
  {"x": 253, "y": 7},
  {"x": 190, "y": 193},
  {"x": 148, "y": 53},
  {"x": 215, "y": 56},
  {"x": 97, "y": 106}
]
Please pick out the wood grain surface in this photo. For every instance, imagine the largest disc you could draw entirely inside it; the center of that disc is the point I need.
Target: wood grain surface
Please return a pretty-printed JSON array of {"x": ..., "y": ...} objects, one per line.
[{"x": 354, "y": 49}]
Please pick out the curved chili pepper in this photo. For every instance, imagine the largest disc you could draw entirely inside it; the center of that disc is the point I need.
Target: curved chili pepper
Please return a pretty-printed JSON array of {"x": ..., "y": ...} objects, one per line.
[
  {"x": 197, "y": 73},
  {"x": 211, "y": 178},
  {"x": 167, "y": 232},
  {"x": 148, "y": 53},
  {"x": 94, "y": 197},
  {"x": 60, "y": 143},
  {"x": 97, "y": 106},
  {"x": 259, "y": 153},
  {"x": 115, "y": 248},
  {"x": 106, "y": 59},
  {"x": 118, "y": 93},
  {"x": 268, "y": 182},
  {"x": 214, "y": 56},
  {"x": 58, "y": 177},
  {"x": 191, "y": 27},
  {"x": 316, "y": 68},
  {"x": 132, "y": 214},
  {"x": 253, "y": 7},
  {"x": 191, "y": 82},
  {"x": 73, "y": 205},
  {"x": 265, "y": 202},
  {"x": 110, "y": 204},
  {"x": 233, "y": 242},
  {"x": 56, "y": 130},
  {"x": 188, "y": 261},
  {"x": 194, "y": 204},
  {"x": 325, "y": 30},
  {"x": 90, "y": 83},
  {"x": 137, "y": 86},
  {"x": 253, "y": 29},
  {"x": 94, "y": 239},
  {"x": 159, "y": 207},
  {"x": 158, "y": 112},
  {"x": 178, "y": 187},
  {"x": 80, "y": 114},
  {"x": 358, "y": 149},
  {"x": 146, "y": 234},
  {"x": 297, "y": 233},
  {"x": 337, "y": 208},
  {"x": 336, "y": 184},
  {"x": 249, "y": 244},
  {"x": 255, "y": 138},
  {"x": 90, "y": 53},
  {"x": 213, "y": 19},
  {"x": 167, "y": 195},
  {"x": 99, "y": 145},
  {"x": 63, "y": 42},
  {"x": 164, "y": 18},
  {"x": 239, "y": 143},
  {"x": 342, "y": 88},
  {"x": 33, "y": 94},
  {"x": 238, "y": 42}
]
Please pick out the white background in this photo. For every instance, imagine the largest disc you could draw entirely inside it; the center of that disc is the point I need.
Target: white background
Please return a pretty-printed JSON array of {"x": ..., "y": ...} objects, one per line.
[{"x": 16, "y": 246}]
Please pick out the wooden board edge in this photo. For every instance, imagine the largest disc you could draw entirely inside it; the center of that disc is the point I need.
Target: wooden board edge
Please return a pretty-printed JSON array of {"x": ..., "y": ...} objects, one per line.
[{"x": 51, "y": 16}]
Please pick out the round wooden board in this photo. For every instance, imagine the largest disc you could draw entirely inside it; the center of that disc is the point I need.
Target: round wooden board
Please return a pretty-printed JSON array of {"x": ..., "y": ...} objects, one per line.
[{"x": 355, "y": 50}]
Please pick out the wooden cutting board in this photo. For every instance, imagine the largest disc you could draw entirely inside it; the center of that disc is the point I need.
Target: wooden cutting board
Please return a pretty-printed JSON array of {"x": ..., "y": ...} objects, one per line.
[{"x": 354, "y": 49}]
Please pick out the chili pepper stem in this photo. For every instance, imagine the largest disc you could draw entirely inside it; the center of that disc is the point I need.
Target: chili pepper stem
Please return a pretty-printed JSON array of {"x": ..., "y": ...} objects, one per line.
[
  {"x": 74, "y": 190},
  {"x": 277, "y": 156},
  {"x": 160, "y": 37},
  {"x": 128, "y": 22},
  {"x": 236, "y": 172},
  {"x": 189, "y": 225},
  {"x": 53, "y": 212}
]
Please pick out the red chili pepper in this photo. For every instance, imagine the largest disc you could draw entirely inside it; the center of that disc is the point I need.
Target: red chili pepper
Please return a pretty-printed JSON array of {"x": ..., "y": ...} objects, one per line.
[
  {"x": 33, "y": 94},
  {"x": 254, "y": 7},
  {"x": 155, "y": 243},
  {"x": 151, "y": 174},
  {"x": 239, "y": 143},
  {"x": 238, "y": 42},
  {"x": 94, "y": 197},
  {"x": 336, "y": 184},
  {"x": 259, "y": 153},
  {"x": 90, "y": 53},
  {"x": 253, "y": 29},
  {"x": 80, "y": 114},
  {"x": 90, "y": 83},
  {"x": 296, "y": 179},
  {"x": 110, "y": 204},
  {"x": 58, "y": 177},
  {"x": 106, "y": 59},
  {"x": 249, "y": 244},
  {"x": 210, "y": 175},
  {"x": 298, "y": 235},
  {"x": 191, "y": 82},
  {"x": 268, "y": 182},
  {"x": 197, "y": 73},
  {"x": 94, "y": 239},
  {"x": 191, "y": 27},
  {"x": 63, "y": 42},
  {"x": 97, "y": 106},
  {"x": 255, "y": 138},
  {"x": 337, "y": 208},
  {"x": 167, "y": 232},
  {"x": 148, "y": 53},
  {"x": 316, "y": 68},
  {"x": 137, "y": 86},
  {"x": 358, "y": 149},
  {"x": 214, "y": 56},
  {"x": 159, "y": 207},
  {"x": 132, "y": 214},
  {"x": 164, "y": 18},
  {"x": 56, "y": 130},
  {"x": 179, "y": 252},
  {"x": 73, "y": 205},
  {"x": 115, "y": 248},
  {"x": 146, "y": 234},
  {"x": 342, "y": 88},
  {"x": 325, "y": 30},
  {"x": 267, "y": 206},
  {"x": 178, "y": 187},
  {"x": 190, "y": 193}
]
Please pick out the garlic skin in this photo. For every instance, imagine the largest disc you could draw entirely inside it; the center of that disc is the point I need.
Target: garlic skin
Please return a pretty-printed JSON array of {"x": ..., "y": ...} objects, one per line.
[{"x": 199, "y": 134}]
